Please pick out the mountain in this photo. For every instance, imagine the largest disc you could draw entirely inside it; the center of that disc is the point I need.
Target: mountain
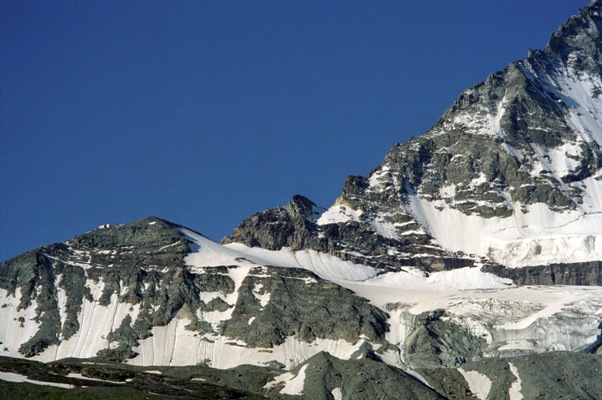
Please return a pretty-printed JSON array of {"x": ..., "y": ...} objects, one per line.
[
  {"x": 509, "y": 176},
  {"x": 154, "y": 293},
  {"x": 467, "y": 265}
]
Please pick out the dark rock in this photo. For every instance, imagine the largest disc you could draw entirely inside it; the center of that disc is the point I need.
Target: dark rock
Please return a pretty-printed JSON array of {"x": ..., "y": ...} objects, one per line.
[{"x": 586, "y": 273}]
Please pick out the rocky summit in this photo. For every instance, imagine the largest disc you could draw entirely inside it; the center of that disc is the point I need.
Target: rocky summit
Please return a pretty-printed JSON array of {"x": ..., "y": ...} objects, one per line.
[{"x": 468, "y": 265}]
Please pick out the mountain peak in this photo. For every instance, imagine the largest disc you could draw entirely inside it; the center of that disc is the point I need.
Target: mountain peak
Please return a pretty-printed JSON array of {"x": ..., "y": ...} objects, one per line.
[
  {"x": 145, "y": 232},
  {"x": 301, "y": 206},
  {"x": 578, "y": 39}
]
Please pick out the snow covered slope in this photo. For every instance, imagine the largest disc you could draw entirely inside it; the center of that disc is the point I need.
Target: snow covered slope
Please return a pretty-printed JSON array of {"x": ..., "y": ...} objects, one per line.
[{"x": 155, "y": 293}]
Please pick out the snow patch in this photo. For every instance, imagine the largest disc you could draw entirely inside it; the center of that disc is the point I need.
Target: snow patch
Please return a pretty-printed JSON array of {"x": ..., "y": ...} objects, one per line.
[
  {"x": 80, "y": 376},
  {"x": 478, "y": 181},
  {"x": 457, "y": 279},
  {"x": 514, "y": 391},
  {"x": 174, "y": 345},
  {"x": 12, "y": 377},
  {"x": 448, "y": 191},
  {"x": 324, "y": 265},
  {"x": 293, "y": 383},
  {"x": 264, "y": 298},
  {"x": 563, "y": 158},
  {"x": 478, "y": 383},
  {"x": 336, "y": 393},
  {"x": 22, "y": 324},
  {"x": 339, "y": 214}
]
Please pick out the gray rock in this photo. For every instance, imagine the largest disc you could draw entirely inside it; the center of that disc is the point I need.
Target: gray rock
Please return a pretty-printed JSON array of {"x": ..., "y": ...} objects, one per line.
[
  {"x": 358, "y": 379},
  {"x": 301, "y": 306},
  {"x": 435, "y": 342},
  {"x": 587, "y": 273},
  {"x": 555, "y": 375}
]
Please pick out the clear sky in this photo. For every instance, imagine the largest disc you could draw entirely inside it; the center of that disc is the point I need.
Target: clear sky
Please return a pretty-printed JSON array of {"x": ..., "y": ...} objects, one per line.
[{"x": 205, "y": 112}]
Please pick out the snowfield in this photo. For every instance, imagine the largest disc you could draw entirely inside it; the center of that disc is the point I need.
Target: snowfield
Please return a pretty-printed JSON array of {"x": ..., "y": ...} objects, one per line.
[
  {"x": 538, "y": 236},
  {"x": 510, "y": 318}
]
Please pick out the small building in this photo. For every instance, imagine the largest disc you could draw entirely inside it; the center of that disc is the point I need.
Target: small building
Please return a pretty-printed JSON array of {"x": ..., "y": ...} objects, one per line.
[{"x": 105, "y": 226}]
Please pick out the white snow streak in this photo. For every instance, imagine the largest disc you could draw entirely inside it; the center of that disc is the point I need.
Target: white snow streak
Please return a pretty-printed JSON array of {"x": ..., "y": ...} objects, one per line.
[
  {"x": 293, "y": 384},
  {"x": 478, "y": 383},
  {"x": 12, "y": 377},
  {"x": 339, "y": 213},
  {"x": 535, "y": 237},
  {"x": 514, "y": 391},
  {"x": 336, "y": 393}
]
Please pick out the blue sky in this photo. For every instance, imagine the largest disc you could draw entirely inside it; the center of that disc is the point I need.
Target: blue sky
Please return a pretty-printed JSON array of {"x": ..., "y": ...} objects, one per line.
[{"x": 205, "y": 112}]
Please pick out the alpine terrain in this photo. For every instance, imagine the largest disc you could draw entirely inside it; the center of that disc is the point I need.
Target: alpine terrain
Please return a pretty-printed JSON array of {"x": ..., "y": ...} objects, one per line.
[{"x": 468, "y": 265}]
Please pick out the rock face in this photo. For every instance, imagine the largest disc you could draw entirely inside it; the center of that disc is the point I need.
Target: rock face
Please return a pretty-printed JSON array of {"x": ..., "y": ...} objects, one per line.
[
  {"x": 587, "y": 273},
  {"x": 292, "y": 225},
  {"x": 137, "y": 275},
  {"x": 543, "y": 376},
  {"x": 299, "y": 305},
  {"x": 354, "y": 239},
  {"x": 435, "y": 342},
  {"x": 52, "y": 280}
]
